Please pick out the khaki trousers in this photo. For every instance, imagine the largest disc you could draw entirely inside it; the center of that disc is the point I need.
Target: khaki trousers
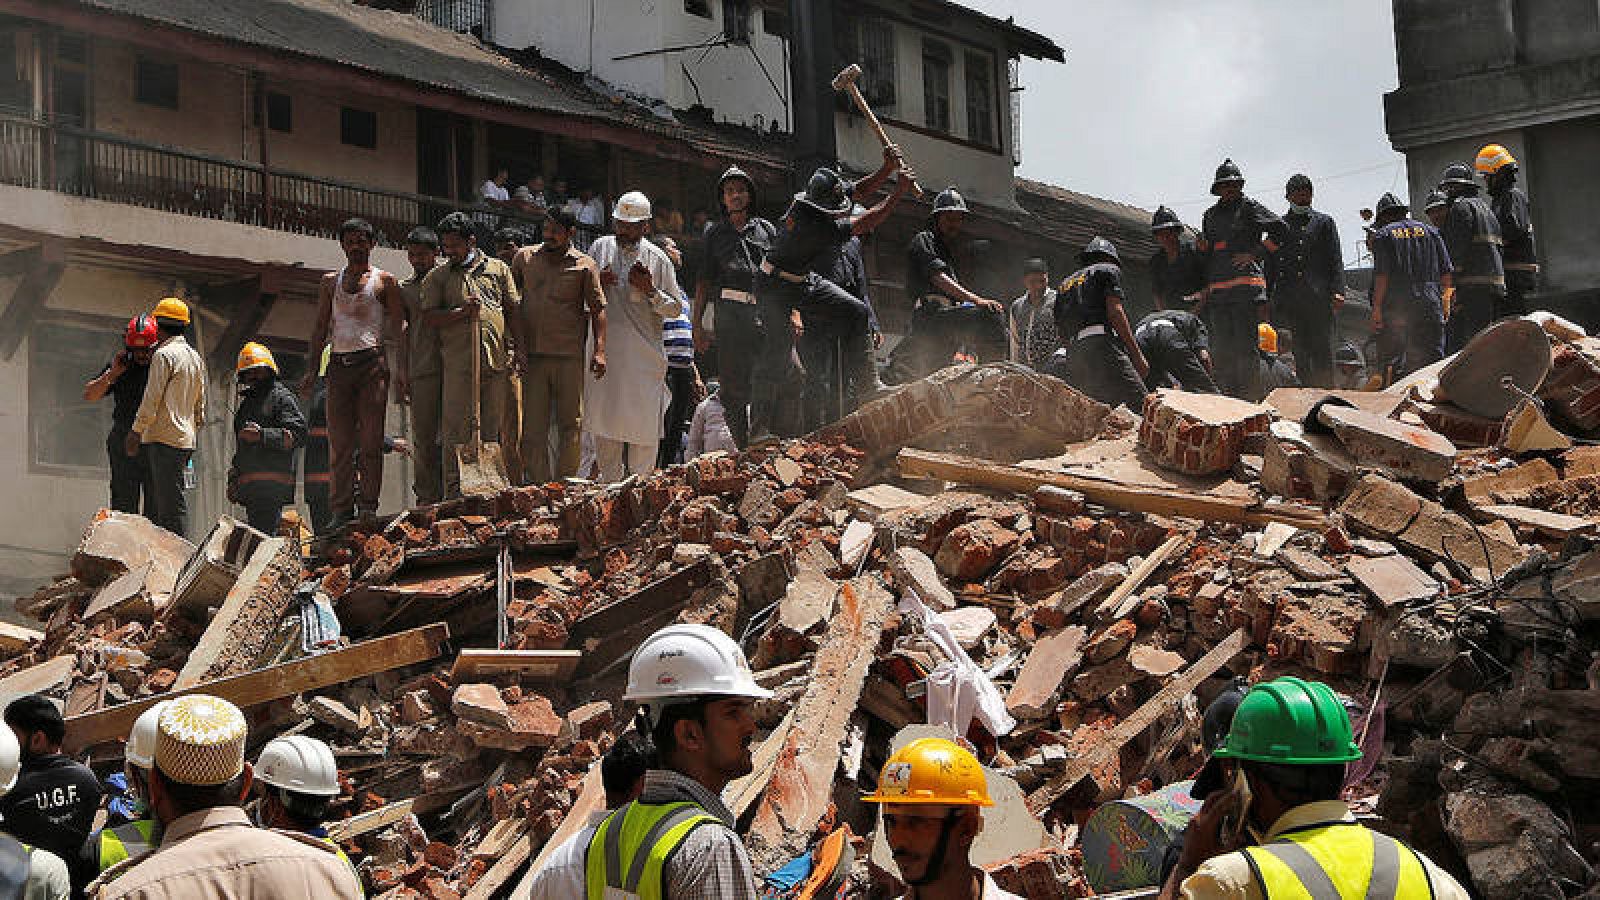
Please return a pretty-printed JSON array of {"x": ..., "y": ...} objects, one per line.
[
  {"x": 552, "y": 397},
  {"x": 427, "y": 459},
  {"x": 456, "y": 414}
]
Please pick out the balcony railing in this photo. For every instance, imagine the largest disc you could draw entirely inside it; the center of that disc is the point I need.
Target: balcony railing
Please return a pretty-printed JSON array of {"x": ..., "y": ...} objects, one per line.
[
  {"x": 456, "y": 15},
  {"x": 82, "y": 163}
]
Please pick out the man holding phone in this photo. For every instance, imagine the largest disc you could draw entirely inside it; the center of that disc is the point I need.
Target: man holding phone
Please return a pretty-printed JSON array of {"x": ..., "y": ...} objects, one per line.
[{"x": 124, "y": 379}]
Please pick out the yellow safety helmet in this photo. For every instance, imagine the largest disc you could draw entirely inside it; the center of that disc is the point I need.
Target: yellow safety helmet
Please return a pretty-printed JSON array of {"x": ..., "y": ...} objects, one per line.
[
  {"x": 932, "y": 770},
  {"x": 1492, "y": 158},
  {"x": 172, "y": 308},
  {"x": 252, "y": 355},
  {"x": 1267, "y": 338}
]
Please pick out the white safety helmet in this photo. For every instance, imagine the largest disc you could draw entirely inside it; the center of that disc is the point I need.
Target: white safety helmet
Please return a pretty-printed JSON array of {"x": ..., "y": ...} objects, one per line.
[
  {"x": 633, "y": 206},
  {"x": 10, "y": 760},
  {"x": 682, "y": 662},
  {"x": 141, "y": 749},
  {"x": 300, "y": 764}
]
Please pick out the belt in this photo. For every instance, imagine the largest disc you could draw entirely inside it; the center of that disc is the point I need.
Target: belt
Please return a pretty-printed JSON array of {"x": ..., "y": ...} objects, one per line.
[
  {"x": 356, "y": 357},
  {"x": 319, "y": 477},
  {"x": 738, "y": 296},
  {"x": 1091, "y": 331},
  {"x": 1492, "y": 280},
  {"x": 1241, "y": 281},
  {"x": 274, "y": 477},
  {"x": 770, "y": 269},
  {"x": 1522, "y": 267},
  {"x": 1494, "y": 239}
]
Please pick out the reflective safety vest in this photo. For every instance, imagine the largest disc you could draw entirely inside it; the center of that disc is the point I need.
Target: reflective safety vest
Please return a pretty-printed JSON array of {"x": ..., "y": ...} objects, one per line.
[
  {"x": 1341, "y": 861},
  {"x": 126, "y": 840},
  {"x": 629, "y": 851}
]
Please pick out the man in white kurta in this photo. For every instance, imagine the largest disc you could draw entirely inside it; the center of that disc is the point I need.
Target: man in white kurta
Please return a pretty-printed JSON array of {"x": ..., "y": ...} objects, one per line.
[{"x": 623, "y": 410}]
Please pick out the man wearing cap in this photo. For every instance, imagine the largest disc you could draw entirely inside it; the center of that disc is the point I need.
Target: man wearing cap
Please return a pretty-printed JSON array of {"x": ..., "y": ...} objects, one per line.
[
  {"x": 209, "y": 848},
  {"x": 1410, "y": 273},
  {"x": 1236, "y": 234},
  {"x": 696, "y": 694},
  {"x": 1278, "y": 828},
  {"x": 1177, "y": 270},
  {"x": 625, "y": 402},
  {"x": 1436, "y": 207},
  {"x": 53, "y": 803},
  {"x": 1306, "y": 276},
  {"x": 734, "y": 247},
  {"x": 140, "y": 833},
  {"x": 1033, "y": 318},
  {"x": 932, "y": 792},
  {"x": 1104, "y": 360},
  {"x": 422, "y": 386},
  {"x": 267, "y": 426},
  {"x": 124, "y": 379},
  {"x": 169, "y": 417},
  {"x": 1472, "y": 237}
]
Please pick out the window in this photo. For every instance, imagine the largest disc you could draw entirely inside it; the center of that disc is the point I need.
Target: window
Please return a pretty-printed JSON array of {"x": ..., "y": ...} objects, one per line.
[
  {"x": 736, "y": 21},
  {"x": 68, "y": 434},
  {"x": 701, "y": 8},
  {"x": 280, "y": 112},
  {"x": 155, "y": 83},
  {"x": 870, "y": 42},
  {"x": 936, "y": 85},
  {"x": 980, "y": 98},
  {"x": 775, "y": 22},
  {"x": 358, "y": 127}
]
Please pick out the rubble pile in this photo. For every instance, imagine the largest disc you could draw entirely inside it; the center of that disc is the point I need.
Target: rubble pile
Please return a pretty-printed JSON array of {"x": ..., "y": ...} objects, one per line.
[{"x": 1070, "y": 616}]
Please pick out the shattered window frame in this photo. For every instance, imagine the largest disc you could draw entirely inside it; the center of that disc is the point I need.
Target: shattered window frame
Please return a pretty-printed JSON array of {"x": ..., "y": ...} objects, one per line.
[{"x": 67, "y": 434}]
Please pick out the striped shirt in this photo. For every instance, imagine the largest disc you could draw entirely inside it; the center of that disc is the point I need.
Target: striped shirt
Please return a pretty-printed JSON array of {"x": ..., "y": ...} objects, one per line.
[{"x": 677, "y": 336}]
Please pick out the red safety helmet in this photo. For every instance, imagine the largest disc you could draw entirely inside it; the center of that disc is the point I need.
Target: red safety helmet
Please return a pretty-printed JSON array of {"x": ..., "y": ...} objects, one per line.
[{"x": 142, "y": 333}]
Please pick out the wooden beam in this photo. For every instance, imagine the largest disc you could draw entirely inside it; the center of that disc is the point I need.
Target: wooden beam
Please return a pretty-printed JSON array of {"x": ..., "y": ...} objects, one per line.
[
  {"x": 1164, "y": 700},
  {"x": 275, "y": 682},
  {"x": 39, "y": 279},
  {"x": 549, "y": 665},
  {"x": 372, "y": 820},
  {"x": 1139, "y": 576},
  {"x": 34, "y": 679},
  {"x": 1135, "y": 498},
  {"x": 503, "y": 869}
]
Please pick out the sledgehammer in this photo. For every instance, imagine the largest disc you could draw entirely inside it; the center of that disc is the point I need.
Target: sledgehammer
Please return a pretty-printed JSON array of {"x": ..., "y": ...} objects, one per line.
[{"x": 846, "y": 81}]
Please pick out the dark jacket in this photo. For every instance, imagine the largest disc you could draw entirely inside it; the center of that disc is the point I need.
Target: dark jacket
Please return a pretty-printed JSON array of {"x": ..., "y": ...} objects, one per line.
[
  {"x": 1172, "y": 280},
  {"x": 1472, "y": 235},
  {"x": 266, "y": 469},
  {"x": 1242, "y": 227},
  {"x": 1519, "y": 255},
  {"x": 1309, "y": 266},
  {"x": 52, "y": 807}
]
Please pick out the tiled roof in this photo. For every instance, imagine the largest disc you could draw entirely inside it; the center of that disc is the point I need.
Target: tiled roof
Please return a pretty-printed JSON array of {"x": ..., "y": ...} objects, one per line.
[{"x": 1075, "y": 218}]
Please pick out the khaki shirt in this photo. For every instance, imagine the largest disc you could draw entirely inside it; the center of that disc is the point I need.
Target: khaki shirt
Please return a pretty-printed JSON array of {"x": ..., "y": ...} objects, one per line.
[
  {"x": 490, "y": 280},
  {"x": 218, "y": 853},
  {"x": 422, "y": 341},
  {"x": 559, "y": 293},
  {"x": 174, "y": 402},
  {"x": 1231, "y": 877}
]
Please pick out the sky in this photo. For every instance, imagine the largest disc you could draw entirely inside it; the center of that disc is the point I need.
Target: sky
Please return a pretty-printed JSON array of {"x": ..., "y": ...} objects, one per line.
[{"x": 1155, "y": 93}]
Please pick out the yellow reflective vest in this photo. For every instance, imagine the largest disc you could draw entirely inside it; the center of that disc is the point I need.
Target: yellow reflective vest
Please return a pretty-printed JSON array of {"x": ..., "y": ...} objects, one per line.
[
  {"x": 127, "y": 840},
  {"x": 628, "y": 854},
  {"x": 1339, "y": 861}
]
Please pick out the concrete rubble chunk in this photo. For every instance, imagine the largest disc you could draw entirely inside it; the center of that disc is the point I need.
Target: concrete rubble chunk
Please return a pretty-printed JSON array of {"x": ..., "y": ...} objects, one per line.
[
  {"x": 1298, "y": 465},
  {"x": 115, "y": 543},
  {"x": 1272, "y": 539},
  {"x": 874, "y": 500},
  {"x": 971, "y": 551},
  {"x": 482, "y": 703},
  {"x": 807, "y": 602},
  {"x": 125, "y": 597},
  {"x": 1110, "y": 641},
  {"x": 1404, "y": 451},
  {"x": 1306, "y": 565},
  {"x": 1392, "y": 580},
  {"x": 969, "y": 624},
  {"x": 1052, "y": 660},
  {"x": 913, "y": 569},
  {"x": 1552, "y": 525},
  {"x": 855, "y": 543},
  {"x": 788, "y": 470},
  {"x": 1510, "y": 485},
  {"x": 1154, "y": 661},
  {"x": 330, "y": 711},
  {"x": 1526, "y": 430},
  {"x": 1391, "y": 512},
  {"x": 1198, "y": 434}
]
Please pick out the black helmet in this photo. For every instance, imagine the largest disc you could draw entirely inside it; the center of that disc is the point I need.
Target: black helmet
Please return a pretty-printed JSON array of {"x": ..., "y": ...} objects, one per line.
[
  {"x": 1099, "y": 247},
  {"x": 735, "y": 172},
  {"x": 827, "y": 193},
  {"x": 1389, "y": 203},
  {"x": 949, "y": 200},
  {"x": 1297, "y": 182},
  {"x": 1457, "y": 175},
  {"x": 1435, "y": 200},
  {"x": 1164, "y": 219},
  {"x": 1227, "y": 172},
  {"x": 1035, "y": 266}
]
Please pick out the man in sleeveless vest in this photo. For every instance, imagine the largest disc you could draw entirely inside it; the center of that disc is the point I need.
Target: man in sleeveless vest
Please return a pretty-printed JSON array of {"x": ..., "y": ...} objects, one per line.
[
  {"x": 1283, "y": 763},
  {"x": 360, "y": 308}
]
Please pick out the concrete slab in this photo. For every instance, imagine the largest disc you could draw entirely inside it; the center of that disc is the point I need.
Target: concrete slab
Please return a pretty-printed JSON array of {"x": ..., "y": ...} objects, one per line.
[
  {"x": 1053, "y": 658},
  {"x": 1404, "y": 451},
  {"x": 1552, "y": 525},
  {"x": 1294, "y": 403},
  {"x": 911, "y": 568},
  {"x": 1392, "y": 580},
  {"x": 1514, "y": 348}
]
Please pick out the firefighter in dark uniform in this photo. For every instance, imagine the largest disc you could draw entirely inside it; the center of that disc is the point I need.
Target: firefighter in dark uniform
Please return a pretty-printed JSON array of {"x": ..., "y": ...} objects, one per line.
[
  {"x": 267, "y": 426},
  {"x": 1236, "y": 234},
  {"x": 1175, "y": 344},
  {"x": 1177, "y": 270},
  {"x": 1410, "y": 273},
  {"x": 1435, "y": 207},
  {"x": 1499, "y": 170},
  {"x": 1472, "y": 236},
  {"x": 818, "y": 223},
  {"x": 1104, "y": 361},
  {"x": 734, "y": 246},
  {"x": 948, "y": 316},
  {"x": 124, "y": 379},
  {"x": 1307, "y": 280},
  {"x": 836, "y": 381}
]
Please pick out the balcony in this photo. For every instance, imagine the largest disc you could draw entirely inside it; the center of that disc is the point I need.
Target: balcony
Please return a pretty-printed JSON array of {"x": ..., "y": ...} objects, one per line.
[
  {"x": 456, "y": 15},
  {"x": 82, "y": 163}
]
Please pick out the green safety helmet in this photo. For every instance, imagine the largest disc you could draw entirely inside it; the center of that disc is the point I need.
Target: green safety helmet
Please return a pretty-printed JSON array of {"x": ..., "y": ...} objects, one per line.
[{"x": 1291, "y": 722}]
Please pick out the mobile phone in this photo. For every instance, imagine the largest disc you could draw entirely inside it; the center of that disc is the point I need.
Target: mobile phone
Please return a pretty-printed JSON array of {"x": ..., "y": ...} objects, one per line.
[{"x": 1238, "y": 800}]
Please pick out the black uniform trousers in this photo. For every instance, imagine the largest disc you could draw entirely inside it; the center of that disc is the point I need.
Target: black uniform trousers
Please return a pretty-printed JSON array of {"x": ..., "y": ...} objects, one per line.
[
  {"x": 1234, "y": 355},
  {"x": 1310, "y": 317},
  {"x": 740, "y": 340},
  {"x": 1170, "y": 355},
  {"x": 680, "y": 386},
  {"x": 130, "y": 475},
  {"x": 1519, "y": 284},
  {"x": 1099, "y": 366},
  {"x": 938, "y": 330},
  {"x": 1473, "y": 311},
  {"x": 835, "y": 350},
  {"x": 1412, "y": 337},
  {"x": 169, "y": 508},
  {"x": 775, "y": 379}
]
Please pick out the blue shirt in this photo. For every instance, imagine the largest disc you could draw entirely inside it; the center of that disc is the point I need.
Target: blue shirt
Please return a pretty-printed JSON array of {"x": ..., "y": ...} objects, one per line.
[
  {"x": 677, "y": 337},
  {"x": 1413, "y": 256}
]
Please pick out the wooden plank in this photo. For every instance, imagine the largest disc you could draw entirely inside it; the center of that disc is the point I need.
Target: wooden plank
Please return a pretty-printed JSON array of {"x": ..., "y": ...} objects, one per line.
[
  {"x": 591, "y": 799},
  {"x": 370, "y": 821},
  {"x": 275, "y": 682},
  {"x": 15, "y": 639},
  {"x": 1136, "y": 579},
  {"x": 1142, "y": 718},
  {"x": 1550, "y": 524},
  {"x": 551, "y": 665},
  {"x": 247, "y": 616},
  {"x": 1135, "y": 498},
  {"x": 658, "y": 596},
  {"x": 49, "y": 674},
  {"x": 503, "y": 869}
]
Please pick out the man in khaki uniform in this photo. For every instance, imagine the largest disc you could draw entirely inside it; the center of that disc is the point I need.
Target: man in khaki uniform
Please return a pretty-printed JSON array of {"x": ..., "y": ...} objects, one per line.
[
  {"x": 423, "y": 390},
  {"x": 209, "y": 848},
  {"x": 469, "y": 284},
  {"x": 562, "y": 307}
]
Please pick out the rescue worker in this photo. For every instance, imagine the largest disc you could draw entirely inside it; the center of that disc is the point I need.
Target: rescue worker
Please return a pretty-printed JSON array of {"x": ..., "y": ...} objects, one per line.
[
  {"x": 52, "y": 803},
  {"x": 1033, "y": 318},
  {"x": 1279, "y": 828},
  {"x": 1510, "y": 205},
  {"x": 932, "y": 792},
  {"x": 1306, "y": 275},
  {"x": 1176, "y": 347},
  {"x": 296, "y": 779},
  {"x": 820, "y": 222},
  {"x": 696, "y": 693},
  {"x": 471, "y": 286},
  {"x": 209, "y": 848},
  {"x": 1410, "y": 276},
  {"x": 1435, "y": 207},
  {"x": 507, "y": 242},
  {"x": 1104, "y": 360},
  {"x": 267, "y": 426},
  {"x": 625, "y": 408},
  {"x": 734, "y": 246},
  {"x": 26, "y": 872},
  {"x": 1177, "y": 269},
  {"x": 169, "y": 417},
  {"x": 360, "y": 311},
  {"x": 1274, "y": 361},
  {"x": 124, "y": 379},
  {"x": 1472, "y": 237},
  {"x": 1236, "y": 234},
  {"x": 422, "y": 387},
  {"x": 948, "y": 317},
  {"x": 141, "y": 834}
]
